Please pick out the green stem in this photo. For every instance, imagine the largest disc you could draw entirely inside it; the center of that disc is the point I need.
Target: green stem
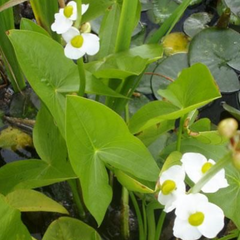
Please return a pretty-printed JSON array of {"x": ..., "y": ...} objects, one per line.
[
  {"x": 180, "y": 130},
  {"x": 125, "y": 213},
  {"x": 74, "y": 185},
  {"x": 160, "y": 225},
  {"x": 211, "y": 172},
  {"x": 126, "y": 25},
  {"x": 139, "y": 217},
  {"x": 82, "y": 77},
  {"x": 127, "y": 117},
  {"x": 144, "y": 214},
  {"x": 77, "y": 23},
  {"x": 152, "y": 206}
]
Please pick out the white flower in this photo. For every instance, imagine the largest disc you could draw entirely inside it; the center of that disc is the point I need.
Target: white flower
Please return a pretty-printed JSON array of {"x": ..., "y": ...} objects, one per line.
[
  {"x": 196, "y": 165},
  {"x": 80, "y": 44},
  {"x": 64, "y": 19},
  {"x": 172, "y": 186},
  {"x": 195, "y": 216}
]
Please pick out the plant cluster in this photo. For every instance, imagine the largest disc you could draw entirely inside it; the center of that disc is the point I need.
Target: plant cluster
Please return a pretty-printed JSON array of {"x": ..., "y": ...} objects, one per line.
[{"x": 86, "y": 134}]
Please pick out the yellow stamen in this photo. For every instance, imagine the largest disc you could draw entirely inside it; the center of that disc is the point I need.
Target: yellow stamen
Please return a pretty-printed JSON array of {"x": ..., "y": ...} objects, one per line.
[
  {"x": 196, "y": 219},
  {"x": 206, "y": 166},
  {"x": 68, "y": 11},
  {"x": 77, "y": 41},
  {"x": 168, "y": 186}
]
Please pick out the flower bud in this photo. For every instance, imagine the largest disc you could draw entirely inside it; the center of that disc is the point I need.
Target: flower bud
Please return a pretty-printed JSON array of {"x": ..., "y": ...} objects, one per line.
[
  {"x": 236, "y": 160},
  {"x": 86, "y": 28},
  {"x": 228, "y": 127}
]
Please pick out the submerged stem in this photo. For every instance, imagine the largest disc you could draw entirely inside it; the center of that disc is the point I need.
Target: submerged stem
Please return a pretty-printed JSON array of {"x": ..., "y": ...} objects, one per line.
[{"x": 82, "y": 77}]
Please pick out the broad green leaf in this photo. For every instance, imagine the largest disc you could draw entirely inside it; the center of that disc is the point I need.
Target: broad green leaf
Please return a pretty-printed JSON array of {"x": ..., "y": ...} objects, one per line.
[
  {"x": 51, "y": 75},
  {"x": 196, "y": 23},
  {"x": 173, "y": 159},
  {"x": 90, "y": 149},
  {"x": 214, "y": 152},
  {"x": 184, "y": 95},
  {"x": 10, "y": 222},
  {"x": 219, "y": 50},
  {"x": 27, "y": 24},
  {"x": 33, "y": 201},
  {"x": 228, "y": 199},
  {"x": 169, "y": 68},
  {"x": 203, "y": 124},
  {"x": 131, "y": 184},
  {"x": 96, "y": 8},
  {"x": 66, "y": 228},
  {"x": 27, "y": 174}
]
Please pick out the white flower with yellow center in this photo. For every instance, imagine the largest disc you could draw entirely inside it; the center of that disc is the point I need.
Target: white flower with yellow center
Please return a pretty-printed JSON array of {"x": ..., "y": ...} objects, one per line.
[
  {"x": 172, "y": 186},
  {"x": 80, "y": 44},
  {"x": 195, "y": 216},
  {"x": 196, "y": 165},
  {"x": 64, "y": 19}
]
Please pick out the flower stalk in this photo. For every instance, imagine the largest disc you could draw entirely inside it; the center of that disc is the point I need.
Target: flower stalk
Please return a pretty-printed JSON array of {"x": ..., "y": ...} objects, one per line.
[{"x": 82, "y": 77}]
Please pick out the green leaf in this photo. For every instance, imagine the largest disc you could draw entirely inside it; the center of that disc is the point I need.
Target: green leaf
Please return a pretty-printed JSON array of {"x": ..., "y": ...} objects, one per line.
[
  {"x": 219, "y": 50},
  {"x": 235, "y": 112},
  {"x": 10, "y": 222},
  {"x": 184, "y": 96},
  {"x": 170, "y": 68},
  {"x": 196, "y": 23},
  {"x": 27, "y": 24},
  {"x": 173, "y": 159},
  {"x": 51, "y": 76},
  {"x": 131, "y": 184},
  {"x": 27, "y": 174},
  {"x": 96, "y": 8},
  {"x": 33, "y": 201},
  {"x": 228, "y": 199},
  {"x": 66, "y": 228},
  {"x": 10, "y": 3},
  {"x": 90, "y": 149}
]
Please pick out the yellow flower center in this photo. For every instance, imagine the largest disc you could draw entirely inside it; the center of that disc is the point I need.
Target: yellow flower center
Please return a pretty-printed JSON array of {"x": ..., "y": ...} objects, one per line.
[
  {"x": 196, "y": 219},
  {"x": 77, "y": 41},
  {"x": 68, "y": 11},
  {"x": 206, "y": 166},
  {"x": 168, "y": 186}
]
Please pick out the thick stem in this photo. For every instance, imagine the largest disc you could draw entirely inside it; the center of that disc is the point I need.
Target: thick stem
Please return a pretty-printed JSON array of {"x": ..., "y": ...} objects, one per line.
[
  {"x": 82, "y": 77},
  {"x": 142, "y": 235},
  {"x": 125, "y": 213},
  {"x": 61, "y": 3},
  {"x": 74, "y": 185},
  {"x": 211, "y": 172}
]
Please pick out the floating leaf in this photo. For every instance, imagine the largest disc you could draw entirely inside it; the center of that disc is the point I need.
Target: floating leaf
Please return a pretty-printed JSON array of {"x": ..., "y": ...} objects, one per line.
[
  {"x": 66, "y": 228},
  {"x": 15, "y": 139},
  {"x": 91, "y": 149},
  {"x": 196, "y": 23},
  {"x": 33, "y": 201},
  {"x": 176, "y": 42},
  {"x": 220, "y": 51}
]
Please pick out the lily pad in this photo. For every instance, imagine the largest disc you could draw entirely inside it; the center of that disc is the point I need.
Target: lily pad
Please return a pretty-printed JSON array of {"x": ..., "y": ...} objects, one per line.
[
  {"x": 196, "y": 23},
  {"x": 219, "y": 49},
  {"x": 167, "y": 70}
]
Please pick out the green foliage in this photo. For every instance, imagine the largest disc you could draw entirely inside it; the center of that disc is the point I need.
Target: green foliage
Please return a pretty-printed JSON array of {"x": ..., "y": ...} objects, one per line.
[
  {"x": 184, "y": 95},
  {"x": 66, "y": 228},
  {"x": 91, "y": 149},
  {"x": 33, "y": 201}
]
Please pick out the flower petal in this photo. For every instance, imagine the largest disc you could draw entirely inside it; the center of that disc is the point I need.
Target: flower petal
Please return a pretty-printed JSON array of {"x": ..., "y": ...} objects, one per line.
[
  {"x": 84, "y": 8},
  {"x": 72, "y": 52},
  {"x": 182, "y": 229},
  {"x": 61, "y": 24},
  {"x": 192, "y": 163},
  {"x": 175, "y": 173},
  {"x": 91, "y": 43},
  {"x": 70, "y": 34},
  {"x": 213, "y": 220},
  {"x": 74, "y": 14}
]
